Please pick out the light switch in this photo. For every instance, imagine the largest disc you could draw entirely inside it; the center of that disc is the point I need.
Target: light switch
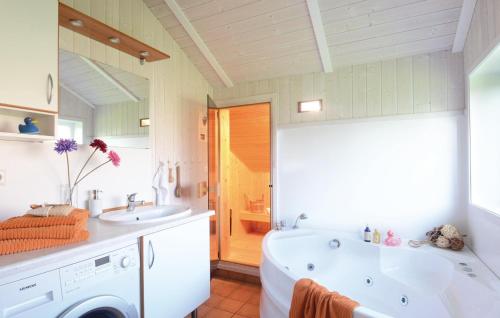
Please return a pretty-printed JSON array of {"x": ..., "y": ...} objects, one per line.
[{"x": 2, "y": 177}]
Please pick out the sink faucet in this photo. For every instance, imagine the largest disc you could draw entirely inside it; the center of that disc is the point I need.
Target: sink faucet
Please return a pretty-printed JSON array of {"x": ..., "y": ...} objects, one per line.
[
  {"x": 302, "y": 216},
  {"x": 131, "y": 203}
]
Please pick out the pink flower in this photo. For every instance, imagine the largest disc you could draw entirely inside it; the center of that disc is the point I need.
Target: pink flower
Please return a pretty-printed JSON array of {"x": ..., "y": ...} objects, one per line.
[{"x": 114, "y": 158}]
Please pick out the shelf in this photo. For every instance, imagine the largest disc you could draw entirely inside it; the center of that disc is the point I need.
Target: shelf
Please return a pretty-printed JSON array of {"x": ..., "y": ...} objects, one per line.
[
  {"x": 24, "y": 137},
  {"x": 10, "y": 118},
  {"x": 255, "y": 217},
  {"x": 102, "y": 32}
]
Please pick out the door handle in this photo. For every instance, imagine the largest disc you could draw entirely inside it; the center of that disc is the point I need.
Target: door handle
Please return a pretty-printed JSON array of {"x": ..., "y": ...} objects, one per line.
[
  {"x": 50, "y": 88},
  {"x": 151, "y": 255},
  {"x": 230, "y": 222}
]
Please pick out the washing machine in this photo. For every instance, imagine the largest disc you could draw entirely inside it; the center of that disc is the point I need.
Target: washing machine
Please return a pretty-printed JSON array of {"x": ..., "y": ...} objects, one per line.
[{"x": 103, "y": 286}]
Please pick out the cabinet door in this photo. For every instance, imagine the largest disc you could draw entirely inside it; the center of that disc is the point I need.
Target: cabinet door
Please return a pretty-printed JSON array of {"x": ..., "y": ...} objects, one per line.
[
  {"x": 176, "y": 270},
  {"x": 29, "y": 54}
]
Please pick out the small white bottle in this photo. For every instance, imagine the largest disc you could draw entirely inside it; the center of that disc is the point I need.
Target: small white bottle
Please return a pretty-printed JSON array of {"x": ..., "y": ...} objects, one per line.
[{"x": 95, "y": 203}]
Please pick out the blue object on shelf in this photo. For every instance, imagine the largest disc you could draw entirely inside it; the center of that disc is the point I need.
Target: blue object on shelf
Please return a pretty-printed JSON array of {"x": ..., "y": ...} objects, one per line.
[{"x": 29, "y": 127}]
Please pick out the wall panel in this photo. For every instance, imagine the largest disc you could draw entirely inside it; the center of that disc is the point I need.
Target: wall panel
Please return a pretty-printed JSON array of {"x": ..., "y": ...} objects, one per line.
[{"x": 415, "y": 84}]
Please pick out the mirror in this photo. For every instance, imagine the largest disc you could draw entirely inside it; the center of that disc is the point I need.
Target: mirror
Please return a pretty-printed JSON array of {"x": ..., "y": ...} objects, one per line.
[{"x": 101, "y": 101}]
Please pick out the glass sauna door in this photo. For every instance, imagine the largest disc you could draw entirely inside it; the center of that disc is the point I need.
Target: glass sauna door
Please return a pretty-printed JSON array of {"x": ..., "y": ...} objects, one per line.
[{"x": 239, "y": 178}]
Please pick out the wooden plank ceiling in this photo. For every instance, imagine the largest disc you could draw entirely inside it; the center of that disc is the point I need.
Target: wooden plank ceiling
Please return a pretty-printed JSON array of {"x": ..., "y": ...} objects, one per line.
[{"x": 260, "y": 39}]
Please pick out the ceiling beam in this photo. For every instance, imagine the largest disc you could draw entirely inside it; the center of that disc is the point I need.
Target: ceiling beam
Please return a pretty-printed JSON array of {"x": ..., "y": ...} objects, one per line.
[
  {"x": 198, "y": 41},
  {"x": 319, "y": 33},
  {"x": 77, "y": 95},
  {"x": 464, "y": 22},
  {"x": 122, "y": 88}
]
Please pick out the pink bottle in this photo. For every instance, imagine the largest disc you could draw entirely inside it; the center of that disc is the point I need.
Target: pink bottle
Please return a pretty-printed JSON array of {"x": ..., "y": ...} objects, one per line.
[{"x": 390, "y": 240}]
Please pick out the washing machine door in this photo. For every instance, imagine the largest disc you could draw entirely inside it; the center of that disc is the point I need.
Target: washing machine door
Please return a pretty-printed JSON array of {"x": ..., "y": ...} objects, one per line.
[{"x": 101, "y": 307}]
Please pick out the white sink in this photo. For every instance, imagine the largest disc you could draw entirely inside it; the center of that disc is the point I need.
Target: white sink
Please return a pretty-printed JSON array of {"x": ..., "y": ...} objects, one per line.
[{"x": 142, "y": 215}]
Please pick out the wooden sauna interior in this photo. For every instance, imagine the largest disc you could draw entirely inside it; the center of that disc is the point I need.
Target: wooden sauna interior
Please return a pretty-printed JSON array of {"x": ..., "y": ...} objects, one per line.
[{"x": 240, "y": 160}]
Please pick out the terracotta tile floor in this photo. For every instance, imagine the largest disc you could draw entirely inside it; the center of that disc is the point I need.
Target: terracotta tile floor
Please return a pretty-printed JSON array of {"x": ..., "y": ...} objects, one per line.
[{"x": 231, "y": 298}]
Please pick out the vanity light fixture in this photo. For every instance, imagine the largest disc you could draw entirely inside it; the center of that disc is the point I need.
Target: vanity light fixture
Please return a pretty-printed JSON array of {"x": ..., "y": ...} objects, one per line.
[
  {"x": 76, "y": 23},
  {"x": 144, "y": 122},
  {"x": 143, "y": 55},
  {"x": 310, "y": 106},
  {"x": 94, "y": 29},
  {"x": 114, "y": 40}
]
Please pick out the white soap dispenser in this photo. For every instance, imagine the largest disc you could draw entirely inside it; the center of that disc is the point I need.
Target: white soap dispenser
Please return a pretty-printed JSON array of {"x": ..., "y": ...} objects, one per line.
[{"x": 95, "y": 203}]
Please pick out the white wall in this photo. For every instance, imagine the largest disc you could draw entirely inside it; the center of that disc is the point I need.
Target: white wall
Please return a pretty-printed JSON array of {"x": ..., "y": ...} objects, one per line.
[
  {"x": 390, "y": 173},
  {"x": 483, "y": 36},
  {"x": 35, "y": 174}
]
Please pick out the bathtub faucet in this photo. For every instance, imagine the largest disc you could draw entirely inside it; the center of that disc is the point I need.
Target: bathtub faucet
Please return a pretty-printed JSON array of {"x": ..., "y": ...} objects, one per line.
[
  {"x": 281, "y": 225},
  {"x": 302, "y": 216}
]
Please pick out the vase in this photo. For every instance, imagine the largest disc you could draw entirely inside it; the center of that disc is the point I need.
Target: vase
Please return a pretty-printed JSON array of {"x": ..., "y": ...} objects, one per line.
[{"x": 66, "y": 198}]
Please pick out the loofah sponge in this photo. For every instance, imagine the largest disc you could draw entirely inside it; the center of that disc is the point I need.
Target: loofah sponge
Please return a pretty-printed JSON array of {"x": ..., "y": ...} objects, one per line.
[
  {"x": 449, "y": 231},
  {"x": 456, "y": 244},
  {"x": 434, "y": 234},
  {"x": 443, "y": 242},
  {"x": 446, "y": 236}
]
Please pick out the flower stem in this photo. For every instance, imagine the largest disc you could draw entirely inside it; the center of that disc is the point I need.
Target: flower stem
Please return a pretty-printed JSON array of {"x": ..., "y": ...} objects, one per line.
[
  {"x": 70, "y": 199},
  {"x": 87, "y": 174},
  {"x": 86, "y": 163}
]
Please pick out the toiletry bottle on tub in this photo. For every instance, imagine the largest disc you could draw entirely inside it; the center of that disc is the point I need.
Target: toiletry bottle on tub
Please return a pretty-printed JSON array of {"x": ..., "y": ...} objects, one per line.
[
  {"x": 376, "y": 237},
  {"x": 367, "y": 234}
]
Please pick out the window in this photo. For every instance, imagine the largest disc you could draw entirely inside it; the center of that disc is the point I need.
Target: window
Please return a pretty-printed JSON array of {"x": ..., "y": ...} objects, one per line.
[
  {"x": 70, "y": 129},
  {"x": 484, "y": 134}
]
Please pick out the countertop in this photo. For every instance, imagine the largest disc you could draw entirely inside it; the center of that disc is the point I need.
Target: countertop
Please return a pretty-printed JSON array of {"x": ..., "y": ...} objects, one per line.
[{"x": 103, "y": 237}]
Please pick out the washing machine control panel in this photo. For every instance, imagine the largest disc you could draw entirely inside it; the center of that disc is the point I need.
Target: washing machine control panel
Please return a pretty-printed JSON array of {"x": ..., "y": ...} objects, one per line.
[{"x": 100, "y": 268}]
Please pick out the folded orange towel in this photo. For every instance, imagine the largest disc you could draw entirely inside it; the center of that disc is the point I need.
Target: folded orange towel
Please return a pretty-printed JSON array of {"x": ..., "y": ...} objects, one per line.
[
  {"x": 311, "y": 300},
  {"x": 24, "y": 245},
  {"x": 77, "y": 217},
  {"x": 29, "y": 232},
  {"x": 48, "y": 232}
]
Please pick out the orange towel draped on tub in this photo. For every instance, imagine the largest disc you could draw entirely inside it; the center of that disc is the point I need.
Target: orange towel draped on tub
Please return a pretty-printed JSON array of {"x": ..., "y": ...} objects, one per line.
[
  {"x": 29, "y": 232},
  {"x": 311, "y": 300}
]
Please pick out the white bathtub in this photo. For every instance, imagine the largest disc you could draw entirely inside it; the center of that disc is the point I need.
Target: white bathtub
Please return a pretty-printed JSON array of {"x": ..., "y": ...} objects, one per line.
[{"x": 386, "y": 281}]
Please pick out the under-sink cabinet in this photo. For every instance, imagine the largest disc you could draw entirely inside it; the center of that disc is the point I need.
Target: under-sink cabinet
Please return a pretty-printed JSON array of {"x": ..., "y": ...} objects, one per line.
[{"x": 176, "y": 270}]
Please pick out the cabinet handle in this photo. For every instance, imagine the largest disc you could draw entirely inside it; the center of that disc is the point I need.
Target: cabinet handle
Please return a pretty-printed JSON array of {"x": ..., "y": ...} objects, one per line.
[
  {"x": 152, "y": 253},
  {"x": 50, "y": 88}
]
